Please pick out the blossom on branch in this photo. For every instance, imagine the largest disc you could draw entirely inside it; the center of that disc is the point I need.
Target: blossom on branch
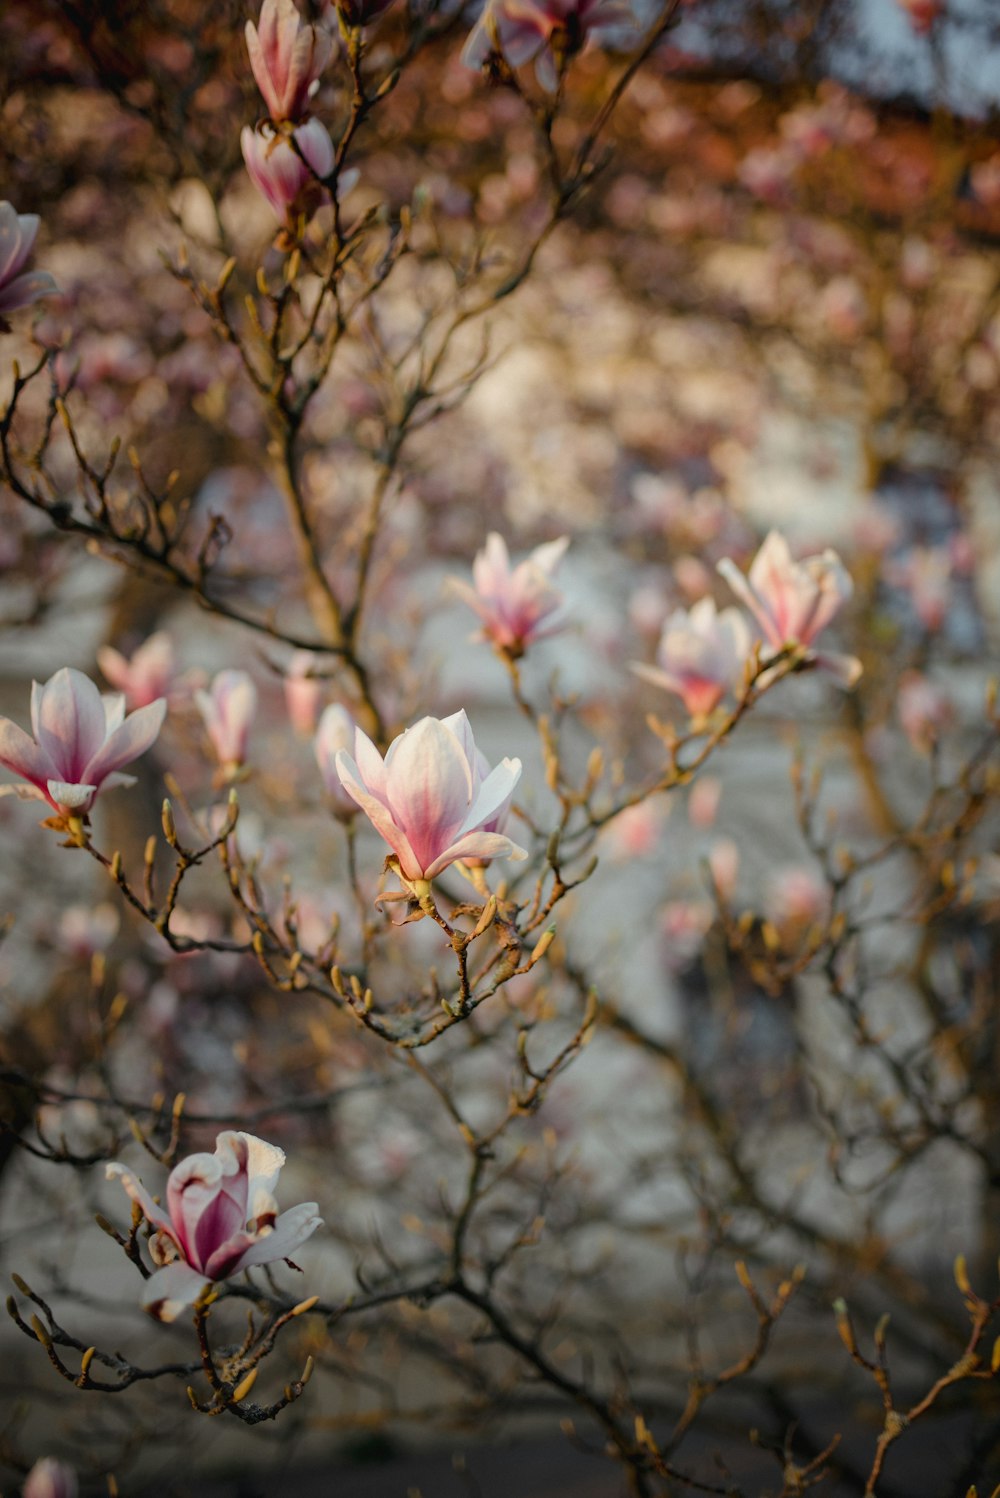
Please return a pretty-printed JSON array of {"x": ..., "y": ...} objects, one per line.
[
  {"x": 516, "y": 604},
  {"x": 701, "y": 655},
  {"x": 793, "y": 602},
  {"x": 81, "y": 740},
  {"x": 228, "y": 709},
  {"x": 289, "y": 170},
  {"x": 551, "y": 31},
  {"x": 19, "y": 287},
  {"x": 221, "y": 1218},
  {"x": 50, "y": 1478},
  {"x": 286, "y": 58},
  {"x": 303, "y": 693},
  {"x": 433, "y": 798}
]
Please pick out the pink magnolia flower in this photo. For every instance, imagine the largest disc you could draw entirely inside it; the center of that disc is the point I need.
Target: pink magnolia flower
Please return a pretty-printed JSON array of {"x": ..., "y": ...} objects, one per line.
[
  {"x": 335, "y": 733},
  {"x": 49, "y": 1478},
  {"x": 144, "y": 678},
  {"x": 793, "y": 602},
  {"x": 548, "y": 30},
  {"x": 221, "y": 1218},
  {"x": 286, "y": 58},
  {"x": 701, "y": 655},
  {"x": 19, "y": 287},
  {"x": 303, "y": 693},
  {"x": 433, "y": 798},
  {"x": 924, "y": 708},
  {"x": 516, "y": 605},
  {"x": 228, "y": 708},
  {"x": 81, "y": 742},
  {"x": 289, "y": 178}
]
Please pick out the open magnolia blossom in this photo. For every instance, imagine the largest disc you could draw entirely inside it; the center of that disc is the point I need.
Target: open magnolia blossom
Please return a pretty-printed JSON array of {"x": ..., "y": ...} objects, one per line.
[
  {"x": 228, "y": 709},
  {"x": 286, "y": 58},
  {"x": 548, "y": 30},
  {"x": 701, "y": 655},
  {"x": 793, "y": 602},
  {"x": 517, "y": 605},
  {"x": 19, "y": 287},
  {"x": 433, "y": 798},
  {"x": 81, "y": 742},
  {"x": 221, "y": 1218}
]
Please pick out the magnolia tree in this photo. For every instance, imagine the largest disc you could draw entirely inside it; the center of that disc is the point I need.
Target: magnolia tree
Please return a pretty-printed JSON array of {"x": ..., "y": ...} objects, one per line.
[{"x": 501, "y": 512}]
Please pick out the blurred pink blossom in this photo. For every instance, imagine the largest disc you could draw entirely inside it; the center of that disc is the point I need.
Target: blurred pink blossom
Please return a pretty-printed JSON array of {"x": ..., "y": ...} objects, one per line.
[
  {"x": 429, "y": 798},
  {"x": 289, "y": 176},
  {"x": 550, "y": 31},
  {"x": 984, "y": 179},
  {"x": 516, "y": 605},
  {"x": 925, "y": 709},
  {"x": 19, "y": 287},
  {"x": 636, "y": 831},
  {"x": 228, "y": 709},
  {"x": 81, "y": 742},
  {"x": 303, "y": 693},
  {"x": 701, "y": 656},
  {"x": 49, "y": 1478},
  {"x": 221, "y": 1218},
  {"x": 703, "y": 801},
  {"x": 724, "y": 866},
  {"x": 286, "y": 58},
  {"x": 146, "y": 676},
  {"x": 793, "y": 602},
  {"x": 335, "y": 732},
  {"x": 797, "y": 896}
]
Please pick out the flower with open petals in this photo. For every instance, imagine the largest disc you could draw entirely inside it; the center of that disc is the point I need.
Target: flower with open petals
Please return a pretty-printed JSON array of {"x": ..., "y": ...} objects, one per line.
[
  {"x": 517, "y": 605},
  {"x": 289, "y": 176},
  {"x": 145, "y": 677},
  {"x": 793, "y": 602},
  {"x": 701, "y": 655},
  {"x": 19, "y": 287},
  {"x": 550, "y": 31},
  {"x": 430, "y": 798},
  {"x": 221, "y": 1218},
  {"x": 81, "y": 742},
  {"x": 286, "y": 58}
]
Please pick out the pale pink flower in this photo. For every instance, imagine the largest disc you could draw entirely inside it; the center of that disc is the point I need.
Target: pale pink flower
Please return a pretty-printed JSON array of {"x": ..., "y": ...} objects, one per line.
[
  {"x": 221, "y": 1218},
  {"x": 81, "y": 742},
  {"x": 793, "y": 602},
  {"x": 228, "y": 709},
  {"x": 19, "y": 287},
  {"x": 797, "y": 896},
  {"x": 517, "y": 605},
  {"x": 303, "y": 693},
  {"x": 925, "y": 710},
  {"x": 147, "y": 676},
  {"x": 286, "y": 58},
  {"x": 703, "y": 801},
  {"x": 289, "y": 178},
  {"x": 546, "y": 30},
  {"x": 49, "y": 1478},
  {"x": 335, "y": 733},
  {"x": 701, "y": 656},
  {"x": 430, "y": 798},
  {"x": 636, "y": 832},
  {"x": 724, "y": 866}
]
